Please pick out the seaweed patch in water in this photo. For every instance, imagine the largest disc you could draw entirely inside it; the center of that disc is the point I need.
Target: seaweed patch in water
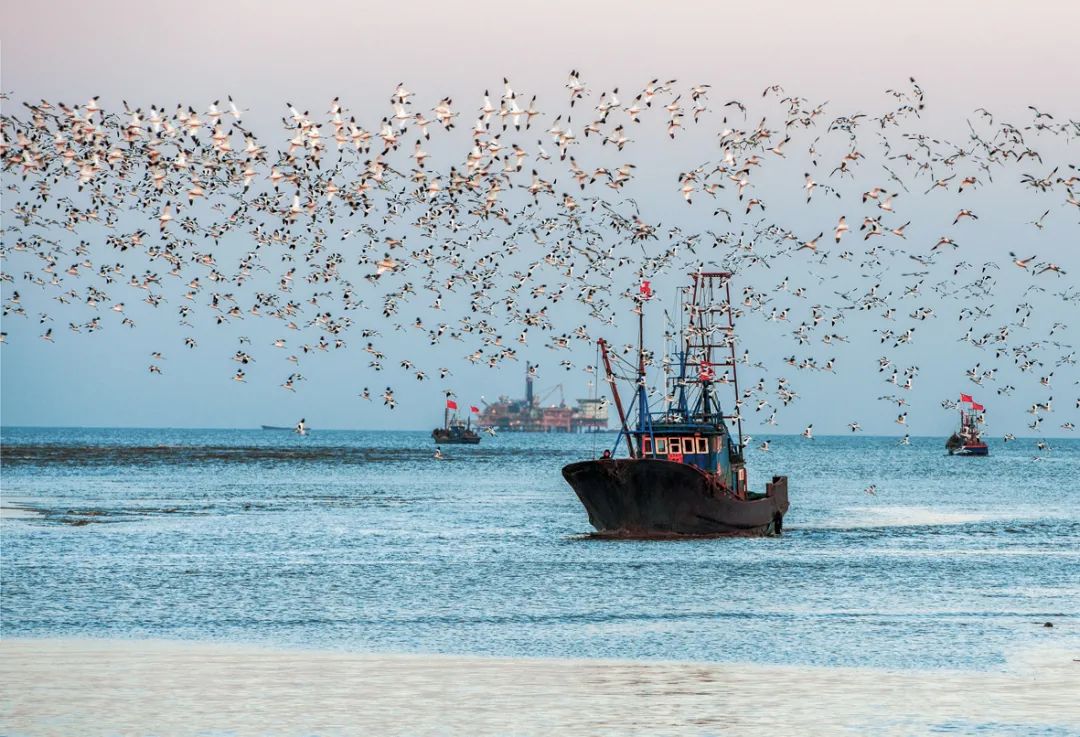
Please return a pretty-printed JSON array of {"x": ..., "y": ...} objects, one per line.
[{"x": 99, "y": 455}]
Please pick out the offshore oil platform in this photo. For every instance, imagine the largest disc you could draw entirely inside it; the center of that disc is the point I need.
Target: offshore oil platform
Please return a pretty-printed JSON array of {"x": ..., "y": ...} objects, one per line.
[{"x": 531, "y": 414}]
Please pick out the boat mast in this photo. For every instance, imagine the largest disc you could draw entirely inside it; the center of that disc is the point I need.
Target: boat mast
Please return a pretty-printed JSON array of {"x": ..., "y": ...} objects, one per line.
[
  {"x": 734, "y": 367},
  {"x": 643, "y": 400},
  {"x": 684, "y": 408},
  {"x": 688, "y": 340},
  {"x": 701, "y": 320},
  {"x": 615, "y": 395}
]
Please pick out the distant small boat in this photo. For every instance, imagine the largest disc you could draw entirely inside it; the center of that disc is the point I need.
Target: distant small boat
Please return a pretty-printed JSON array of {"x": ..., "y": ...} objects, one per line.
[
  {"x": 276, "y": 427},
  {"x": 454, "y": 431},
  {"x": 967, "y": 441}
]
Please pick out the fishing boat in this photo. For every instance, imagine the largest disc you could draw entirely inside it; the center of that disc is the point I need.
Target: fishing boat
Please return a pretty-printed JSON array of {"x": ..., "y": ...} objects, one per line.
[
  {"x": 454, "y": 431},
  {"x": 684, "y": 473},
  {"x": 967, "y": 440},
  {"x": 277, "y": 427}
]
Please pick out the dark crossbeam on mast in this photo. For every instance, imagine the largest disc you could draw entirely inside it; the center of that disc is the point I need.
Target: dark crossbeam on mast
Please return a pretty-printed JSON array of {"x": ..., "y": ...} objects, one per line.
[{"x": 615, "y": 395}]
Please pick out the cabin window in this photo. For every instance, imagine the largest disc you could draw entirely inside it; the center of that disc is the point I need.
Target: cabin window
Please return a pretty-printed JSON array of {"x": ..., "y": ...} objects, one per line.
[
  {"x": 646, "y": 445},
  {"x": 661, "y": 446},
  {"x": 688, "y": 445},
  {"x": 716, "y": 440},
  {"x": 674, "y": 446},
  {"x": 702, "y": 445}
]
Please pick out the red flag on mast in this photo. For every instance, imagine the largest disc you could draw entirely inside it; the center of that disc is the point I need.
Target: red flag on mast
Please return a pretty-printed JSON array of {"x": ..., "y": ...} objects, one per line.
[
  {"x": 451, "y": 404},
  {"x": 977, "y": 407},
  {"x": 474, "y": 410},
  {"x": 966, "y": 397},
  {"x": 705, "y": 372},
  {"x": 646, "y": 290}
]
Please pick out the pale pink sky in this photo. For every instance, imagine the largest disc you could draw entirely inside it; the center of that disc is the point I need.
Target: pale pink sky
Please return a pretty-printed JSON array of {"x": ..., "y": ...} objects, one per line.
[{"x": 968, "y": 52}]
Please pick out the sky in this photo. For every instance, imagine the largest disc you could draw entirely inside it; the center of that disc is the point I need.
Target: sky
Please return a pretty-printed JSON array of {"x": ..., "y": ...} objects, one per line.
[{"x": 964, "y": 54}]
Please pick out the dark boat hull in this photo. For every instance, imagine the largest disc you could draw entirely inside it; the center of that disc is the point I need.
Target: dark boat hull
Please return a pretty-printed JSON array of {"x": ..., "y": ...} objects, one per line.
[
  {"x": 445, "y": 437},
  {"x": 958, "y": 447},
  {"x": 647, "y": 497}
]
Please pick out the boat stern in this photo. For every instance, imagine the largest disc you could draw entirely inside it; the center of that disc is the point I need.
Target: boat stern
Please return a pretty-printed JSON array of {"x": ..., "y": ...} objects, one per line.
[{"x": 777, "y": 491}]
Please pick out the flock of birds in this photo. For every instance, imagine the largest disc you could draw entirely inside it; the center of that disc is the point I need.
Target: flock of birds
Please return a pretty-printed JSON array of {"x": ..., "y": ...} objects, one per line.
[{"x": 530, "y": 237}]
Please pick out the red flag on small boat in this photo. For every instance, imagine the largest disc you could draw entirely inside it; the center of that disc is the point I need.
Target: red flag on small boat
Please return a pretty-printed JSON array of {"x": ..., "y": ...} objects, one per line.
[
  {"x": 451, "y": 404},
  {"x": 966, "y": 398},
  {"x": 975, "y": 406},
  {"x": 474, "y": 410},
  {"x": 646, "y": 290}
]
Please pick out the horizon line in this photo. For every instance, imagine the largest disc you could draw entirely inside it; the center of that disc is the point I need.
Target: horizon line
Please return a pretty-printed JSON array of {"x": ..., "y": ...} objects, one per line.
[{"x": 4, "y": 428}]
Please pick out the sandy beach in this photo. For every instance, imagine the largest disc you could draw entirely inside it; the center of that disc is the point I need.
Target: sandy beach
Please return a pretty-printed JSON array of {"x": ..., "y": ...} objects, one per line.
[{"x": 119, "y": 687}]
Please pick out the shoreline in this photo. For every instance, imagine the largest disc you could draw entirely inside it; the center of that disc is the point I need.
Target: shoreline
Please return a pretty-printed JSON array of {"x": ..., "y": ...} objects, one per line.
[{"x": 166, "y": 687}]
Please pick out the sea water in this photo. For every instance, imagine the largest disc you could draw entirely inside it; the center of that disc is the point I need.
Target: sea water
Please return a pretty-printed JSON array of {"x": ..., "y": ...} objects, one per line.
[{"x": 362, "y": 541}]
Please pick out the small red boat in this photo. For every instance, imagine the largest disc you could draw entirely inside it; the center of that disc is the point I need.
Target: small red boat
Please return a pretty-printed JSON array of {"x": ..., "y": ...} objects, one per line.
[
  {"x": 454, "y": 431},
  {"x": 967, "y": 441}
]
